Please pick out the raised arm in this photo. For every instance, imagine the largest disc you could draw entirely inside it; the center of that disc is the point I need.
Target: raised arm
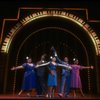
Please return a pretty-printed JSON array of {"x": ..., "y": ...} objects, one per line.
[
  {"x": 54, "y": 51},
  {"x": 55, "y": 54},
  {"x": 65, "y": 66},
  {"x": 42, "y": 65},
  {"x": 16, "y": 68},
  {"x": 59, "y": 61}
]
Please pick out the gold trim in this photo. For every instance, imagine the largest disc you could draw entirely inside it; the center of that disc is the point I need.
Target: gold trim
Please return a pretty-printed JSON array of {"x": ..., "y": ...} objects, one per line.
[
  {"x": 19, "y": 9},
  {"x": 55, "y": 13}
]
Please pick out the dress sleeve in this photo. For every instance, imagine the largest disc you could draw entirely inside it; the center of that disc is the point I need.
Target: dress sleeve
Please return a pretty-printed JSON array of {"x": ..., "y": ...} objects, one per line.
[{"x": 24, "y": 65}]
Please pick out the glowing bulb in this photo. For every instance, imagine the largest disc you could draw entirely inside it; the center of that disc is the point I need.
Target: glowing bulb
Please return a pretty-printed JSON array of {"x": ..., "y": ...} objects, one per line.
[
  {"x": 51, "y": 57},
  {"x": 73, "y": 59},
  {"x": 27, "y": 57}
]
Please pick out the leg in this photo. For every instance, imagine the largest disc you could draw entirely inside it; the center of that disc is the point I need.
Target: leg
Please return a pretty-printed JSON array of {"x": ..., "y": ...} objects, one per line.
[
  {"x": 20, "y": 92},
  {"x": 74, "y": 92},
  {"x": 29, "y": 93},
  {"x": 50, "y": 92},
  {"x": 38, "y": 87},
  {"x": 53, "y": 91},
  {"x": 47, "y": 94},
  {"x": 68, "y": 82},
  {"x": 43, "y": 85},
  {"x": 62, "y": 85},
  {"x": 81, "y": 92},
  {"x": 33, "y": 92}
]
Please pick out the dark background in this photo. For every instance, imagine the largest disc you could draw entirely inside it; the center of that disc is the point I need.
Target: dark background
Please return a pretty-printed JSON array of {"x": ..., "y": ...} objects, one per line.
[
  {"x": 9, "y": 9},
  {"x": 12, "y": 6}
]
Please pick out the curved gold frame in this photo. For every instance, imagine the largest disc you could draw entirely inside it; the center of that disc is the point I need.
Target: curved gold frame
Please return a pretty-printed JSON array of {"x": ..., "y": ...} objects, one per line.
[{"x": 55, "y": 13}]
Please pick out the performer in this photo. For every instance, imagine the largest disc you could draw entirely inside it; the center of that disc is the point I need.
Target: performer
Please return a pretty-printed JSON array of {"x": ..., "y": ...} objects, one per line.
[
  {"x": 41, "y": 73},
  {"x": 66, "y": 76},
  {"x": 29, "y": 79},
  {"x": 65, "y": 79},
  {"x": 52, "y": 77},
  {"x": 75, "y": 76}
]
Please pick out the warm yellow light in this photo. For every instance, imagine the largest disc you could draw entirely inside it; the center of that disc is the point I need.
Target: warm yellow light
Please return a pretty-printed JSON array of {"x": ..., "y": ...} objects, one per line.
[{"x": 54, "y": 13}]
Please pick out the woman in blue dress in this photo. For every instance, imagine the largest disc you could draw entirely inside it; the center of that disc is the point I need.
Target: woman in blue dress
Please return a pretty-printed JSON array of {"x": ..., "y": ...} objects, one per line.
[
  {"x": 52, "y": 77},
  {"x": 29, "y": 79}
]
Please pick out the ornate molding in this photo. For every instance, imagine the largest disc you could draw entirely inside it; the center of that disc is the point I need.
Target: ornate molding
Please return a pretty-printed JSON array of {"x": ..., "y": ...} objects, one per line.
[{"x": 55, "y": 12}]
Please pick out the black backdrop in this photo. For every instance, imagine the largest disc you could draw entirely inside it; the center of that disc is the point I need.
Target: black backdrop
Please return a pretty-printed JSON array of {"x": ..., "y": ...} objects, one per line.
[{"x": 9, "y": 9}]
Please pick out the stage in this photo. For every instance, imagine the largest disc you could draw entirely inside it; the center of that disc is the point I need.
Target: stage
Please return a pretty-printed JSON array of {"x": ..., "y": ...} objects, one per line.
[
  {"x": 31, "y": 29},
  {"x": 11, "y": 96}
]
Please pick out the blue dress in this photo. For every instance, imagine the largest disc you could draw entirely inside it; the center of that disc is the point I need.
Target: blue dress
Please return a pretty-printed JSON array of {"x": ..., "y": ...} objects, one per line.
[
  {"x": 29, "y": 79},
  {"x": 52, "y": 78}
]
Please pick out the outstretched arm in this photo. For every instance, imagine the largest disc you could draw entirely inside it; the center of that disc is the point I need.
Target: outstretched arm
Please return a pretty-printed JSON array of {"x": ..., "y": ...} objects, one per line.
[
  {"x": 16, "y": 68},
  {"x": 65, "y": 66},
  {"x": 42, "y": 65},
  {"x": 88, "y": 67}
]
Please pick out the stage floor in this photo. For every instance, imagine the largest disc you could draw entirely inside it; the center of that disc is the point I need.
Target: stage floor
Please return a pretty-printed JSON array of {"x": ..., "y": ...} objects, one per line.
[{"x": 11, "y": 96}]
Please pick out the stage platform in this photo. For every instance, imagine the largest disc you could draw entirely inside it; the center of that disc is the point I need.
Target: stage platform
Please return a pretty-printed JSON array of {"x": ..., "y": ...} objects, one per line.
[{"x": 11, "y": 96}]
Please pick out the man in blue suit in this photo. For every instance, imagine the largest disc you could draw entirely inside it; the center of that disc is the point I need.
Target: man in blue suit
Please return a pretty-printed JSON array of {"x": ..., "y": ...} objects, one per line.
[{"x": 66, "y": 76}]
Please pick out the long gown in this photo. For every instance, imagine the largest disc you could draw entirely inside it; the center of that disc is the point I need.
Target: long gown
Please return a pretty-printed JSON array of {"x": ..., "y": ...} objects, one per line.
[
  {"x": 29, "y": 79},
  {"x": 75, "y": 76}
]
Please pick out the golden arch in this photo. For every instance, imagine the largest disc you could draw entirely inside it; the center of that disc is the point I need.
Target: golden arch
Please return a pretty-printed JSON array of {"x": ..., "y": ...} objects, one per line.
[{"x": 55, "y": 13}]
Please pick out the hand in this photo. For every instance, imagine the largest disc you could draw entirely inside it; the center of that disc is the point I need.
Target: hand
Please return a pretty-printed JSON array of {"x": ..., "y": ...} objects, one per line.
[
  {"x": 70, "y": 68},
  {"x": 52, "y": 72},
  {"x": 13, "y": 68},
  {"x": 36, "y": 66},
  {"x": 55, "y": 54},
  {"x": 52, "y": 48},
  {"x": 92, "y": 67}
]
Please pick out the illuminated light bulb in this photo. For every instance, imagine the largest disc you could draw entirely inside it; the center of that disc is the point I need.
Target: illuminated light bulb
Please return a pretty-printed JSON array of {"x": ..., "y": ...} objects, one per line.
[
  {"x": 74, "y": 59},
  {"x": 27, "y": 57},
  {"x": 51, "y": 57}
]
